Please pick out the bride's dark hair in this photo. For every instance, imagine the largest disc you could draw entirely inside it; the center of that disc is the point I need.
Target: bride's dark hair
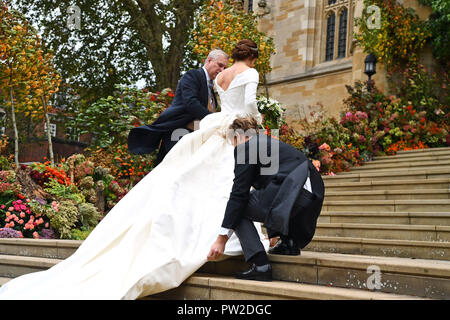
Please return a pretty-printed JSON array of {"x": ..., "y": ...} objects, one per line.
[{"x": 245, "y": 49}]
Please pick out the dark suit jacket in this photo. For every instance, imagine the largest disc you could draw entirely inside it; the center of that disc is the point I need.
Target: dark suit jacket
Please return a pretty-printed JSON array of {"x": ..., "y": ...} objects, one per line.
[
  {"x": 190, "y": 103},
  {"x": 289, "y": 208}
]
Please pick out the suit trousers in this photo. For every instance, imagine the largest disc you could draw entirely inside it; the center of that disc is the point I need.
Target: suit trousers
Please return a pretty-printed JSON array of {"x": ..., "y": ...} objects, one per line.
[
  {"x": 246, "y": 230},
  {"x": 167, "y": 143}
]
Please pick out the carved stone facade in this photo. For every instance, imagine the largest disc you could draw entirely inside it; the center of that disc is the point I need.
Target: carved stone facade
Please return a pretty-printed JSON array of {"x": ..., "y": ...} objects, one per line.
[{"x": 315, "y": 52}]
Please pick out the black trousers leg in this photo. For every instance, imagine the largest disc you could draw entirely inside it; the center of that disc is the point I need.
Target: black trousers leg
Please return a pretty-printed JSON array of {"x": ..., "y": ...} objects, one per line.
[
  {"x": 246, "y": 230},
  {"x": 166, "y": 144}
]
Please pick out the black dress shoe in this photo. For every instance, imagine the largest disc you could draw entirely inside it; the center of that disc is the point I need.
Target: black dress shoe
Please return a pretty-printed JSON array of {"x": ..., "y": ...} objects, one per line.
[
  {"x": 259, "y": 273},
  {"x": 285, "y": 247}
]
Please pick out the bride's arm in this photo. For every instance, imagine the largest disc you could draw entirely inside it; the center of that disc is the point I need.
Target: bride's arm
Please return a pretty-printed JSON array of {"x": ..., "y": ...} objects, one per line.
[{"x": 250, "y": 101}]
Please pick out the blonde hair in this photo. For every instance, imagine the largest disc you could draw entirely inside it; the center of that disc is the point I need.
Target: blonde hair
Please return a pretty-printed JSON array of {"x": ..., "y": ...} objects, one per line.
[{"x": 244, "y": 126}]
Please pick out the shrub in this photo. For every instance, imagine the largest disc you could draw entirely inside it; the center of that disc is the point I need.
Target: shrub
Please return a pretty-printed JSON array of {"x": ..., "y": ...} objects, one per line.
[
  {"x": 10, "y": 233},
  {"x": 61, "y": 191},
  {"x": 21, "y": 216},
  {"x": 63, "y": 217},
  {"x": 89, "y": 215}
]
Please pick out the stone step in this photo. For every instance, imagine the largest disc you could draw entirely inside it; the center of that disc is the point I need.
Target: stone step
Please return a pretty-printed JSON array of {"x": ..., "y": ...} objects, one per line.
[
  {"x": 416, "y": 153},
  {"x": 404, "y": 218},
  {"x": 56, "y": 249},
  {"x": 424, "y": 150},
  {"x": 399, "y": 174},
  {"x": 216, "y": 287},
  {"x": 376, "y": 167},
  {"x": 397, "y": 170},
  {"x": 14, "y": 266},
  {"x": 407, "y": 160},
  {"x": 418, "y": 277},
  {"x": 433, "y": 205},
  {"x": 413, "y": 184},
  {"x": 385, "y": 231},
  {"x": 388, "y": 194},
  {"x": 381, "y": 247}
]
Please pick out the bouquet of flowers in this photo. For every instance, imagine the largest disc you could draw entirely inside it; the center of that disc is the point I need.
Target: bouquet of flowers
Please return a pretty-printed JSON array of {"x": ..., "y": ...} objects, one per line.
[{"x": 272, "y": 111}]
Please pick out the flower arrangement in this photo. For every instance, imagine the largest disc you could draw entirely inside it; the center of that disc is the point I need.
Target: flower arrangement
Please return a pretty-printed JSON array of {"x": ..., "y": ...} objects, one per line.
[
  {"x": 18, "y": 215},
  {"x": 404, "y": 145},
  {"x": 272, "y": 111},
  {"x": 10, "y": 233},
  {"x": 9, "y": 187},
  {"x": 42, "y": 173}
]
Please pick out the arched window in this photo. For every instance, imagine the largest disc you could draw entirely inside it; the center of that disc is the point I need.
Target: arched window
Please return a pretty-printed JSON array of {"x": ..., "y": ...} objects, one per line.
[
  {"x": 331, "y": 24},
  {"x": 342, "y": 33}
]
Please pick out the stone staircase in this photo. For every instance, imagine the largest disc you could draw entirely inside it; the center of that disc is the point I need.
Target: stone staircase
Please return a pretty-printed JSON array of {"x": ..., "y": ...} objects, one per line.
[{"x": 384, "y": 233}]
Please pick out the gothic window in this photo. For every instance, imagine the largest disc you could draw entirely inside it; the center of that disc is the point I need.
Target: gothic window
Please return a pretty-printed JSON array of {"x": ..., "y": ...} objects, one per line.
[
  {"x": 336, "y": 31},
  {"x": 247, "y": 5},
  {"x": 342, "y": 33},
  {"x": 331, "y": 23}
]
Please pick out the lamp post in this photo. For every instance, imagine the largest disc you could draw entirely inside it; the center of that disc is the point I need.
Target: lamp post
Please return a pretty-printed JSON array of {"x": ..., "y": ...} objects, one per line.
[{"x": 370, "y": 65}]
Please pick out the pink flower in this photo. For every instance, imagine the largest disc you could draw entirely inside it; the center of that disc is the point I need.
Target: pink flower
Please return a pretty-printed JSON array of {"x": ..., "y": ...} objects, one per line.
[
  {"x": 325, "y": 147},
  {"x": 55, "y": 206},
  {"x": 11, "y": 224},
  {"x": 10, "y": 209},
  {"x": 22, "y": 214},
  {"x": 35, "y": 235},
  {"x": 46, "y": 224},
  {"x": 20, "y": 221},
  {"x": 2, "y": 206},
  {"x": 19, "y": 201},
  {"x": 331, "y": 173},
  {"x": 316, "y": 164}
]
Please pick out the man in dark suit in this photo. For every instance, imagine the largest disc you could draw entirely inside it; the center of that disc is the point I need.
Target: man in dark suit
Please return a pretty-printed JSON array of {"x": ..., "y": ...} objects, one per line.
[
  {"x": 194, "y": 99},
  {"x": 288, "y": 198}
]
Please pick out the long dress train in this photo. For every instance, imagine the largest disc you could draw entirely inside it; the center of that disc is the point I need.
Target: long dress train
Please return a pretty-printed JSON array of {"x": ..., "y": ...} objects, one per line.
[{"x": 161, "y": 231}]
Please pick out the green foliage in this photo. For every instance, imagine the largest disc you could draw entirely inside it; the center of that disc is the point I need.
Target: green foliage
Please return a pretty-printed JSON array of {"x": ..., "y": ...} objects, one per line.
[
  {"x": 426, "y": 91},
  {"x": 80, "y": 234},
  {"x": 222, "y": 24},
  {"x": 64, "y": 219},
  {"x": 60, "y": 191},
  {"x": 398, "y": 39},
  {"x": 89, "y": 215},
  {"x": 110, "y": 119},
  {"x": 438, "y": 24}
]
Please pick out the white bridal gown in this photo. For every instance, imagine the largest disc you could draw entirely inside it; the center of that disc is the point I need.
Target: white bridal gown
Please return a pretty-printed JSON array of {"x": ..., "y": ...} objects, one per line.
[{"x": 161, "y": 231}]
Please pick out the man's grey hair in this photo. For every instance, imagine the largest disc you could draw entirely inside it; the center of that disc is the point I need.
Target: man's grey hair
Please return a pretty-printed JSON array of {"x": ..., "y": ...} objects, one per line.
[{"x": 216, "y": 53}]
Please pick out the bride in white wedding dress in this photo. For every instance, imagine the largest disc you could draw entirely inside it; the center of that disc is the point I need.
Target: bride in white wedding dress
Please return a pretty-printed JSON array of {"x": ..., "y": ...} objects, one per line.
[{"x": 161, "y": 231}]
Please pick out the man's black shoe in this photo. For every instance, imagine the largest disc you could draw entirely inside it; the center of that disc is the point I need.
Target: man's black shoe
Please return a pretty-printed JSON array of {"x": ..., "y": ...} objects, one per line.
[
  {"x": 259, "y": 273},
  {"x": 285, "y": 247}
]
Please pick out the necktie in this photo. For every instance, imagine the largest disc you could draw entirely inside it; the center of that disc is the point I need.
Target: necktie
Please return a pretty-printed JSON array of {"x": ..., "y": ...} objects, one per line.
[{"x": 211, "y": 95}]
